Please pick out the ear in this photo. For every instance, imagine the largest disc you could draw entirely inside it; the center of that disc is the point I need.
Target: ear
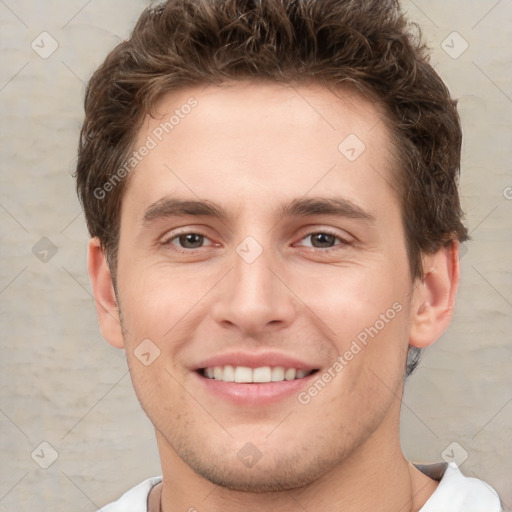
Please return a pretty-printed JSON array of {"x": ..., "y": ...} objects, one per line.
[
  {"x": 104, "y": 295},
  {"x": 434, "y": 296}
]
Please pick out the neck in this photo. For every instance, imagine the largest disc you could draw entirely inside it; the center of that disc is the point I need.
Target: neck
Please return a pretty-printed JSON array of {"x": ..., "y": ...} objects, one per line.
[{"x": 375, "y": 474}]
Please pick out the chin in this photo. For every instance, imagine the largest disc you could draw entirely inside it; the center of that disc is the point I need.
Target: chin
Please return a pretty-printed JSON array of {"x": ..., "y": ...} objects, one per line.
[
  {"x": 259, "y": 481},
  {"x": 270, "y": 475}
]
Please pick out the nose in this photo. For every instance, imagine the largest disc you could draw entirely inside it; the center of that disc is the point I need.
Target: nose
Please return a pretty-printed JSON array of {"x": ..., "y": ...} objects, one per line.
[{"x": 254, "y": 297}]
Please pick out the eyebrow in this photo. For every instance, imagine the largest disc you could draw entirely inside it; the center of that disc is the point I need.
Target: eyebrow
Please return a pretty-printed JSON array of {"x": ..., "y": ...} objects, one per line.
[
  {"x": 175, "y": 207},
  {"x": 325, "y": 206}
]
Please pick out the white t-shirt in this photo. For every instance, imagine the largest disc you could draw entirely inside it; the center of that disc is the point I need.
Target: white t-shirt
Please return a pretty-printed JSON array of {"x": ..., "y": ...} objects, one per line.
[{"x": 455, "y": 493}]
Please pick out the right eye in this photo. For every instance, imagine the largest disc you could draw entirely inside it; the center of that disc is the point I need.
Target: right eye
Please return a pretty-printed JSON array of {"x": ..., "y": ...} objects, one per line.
[{"x": 187, "y": 241}]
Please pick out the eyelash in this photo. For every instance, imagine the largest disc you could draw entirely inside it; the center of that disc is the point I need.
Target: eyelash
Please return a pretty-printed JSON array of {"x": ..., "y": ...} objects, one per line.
[
  {"x": 342, "y": 241},
  {"x": 169, "y": 241}
]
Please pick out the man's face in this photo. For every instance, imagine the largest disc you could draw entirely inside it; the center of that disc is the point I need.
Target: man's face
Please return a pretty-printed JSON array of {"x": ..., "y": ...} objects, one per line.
[{"x": 298, "y": 258}]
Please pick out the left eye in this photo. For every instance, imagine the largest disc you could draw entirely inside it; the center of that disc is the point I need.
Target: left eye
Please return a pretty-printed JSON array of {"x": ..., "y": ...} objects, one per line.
[
  {"x": 322, "y": 240},
  {"x": 189, "y": 240}
]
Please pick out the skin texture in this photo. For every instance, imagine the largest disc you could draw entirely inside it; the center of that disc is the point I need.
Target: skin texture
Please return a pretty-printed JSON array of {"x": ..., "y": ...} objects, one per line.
[{"x": 252, "y": 148}]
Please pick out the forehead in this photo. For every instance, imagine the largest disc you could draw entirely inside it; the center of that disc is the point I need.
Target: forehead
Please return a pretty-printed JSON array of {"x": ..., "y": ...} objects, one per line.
[{"x": 254, "y": 141}]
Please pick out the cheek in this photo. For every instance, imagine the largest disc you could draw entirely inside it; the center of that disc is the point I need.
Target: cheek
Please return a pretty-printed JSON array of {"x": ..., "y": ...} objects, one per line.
[
  {"x": 353, "y": 297},
  {"x": 374, "y": 354},
  {"x": 366, "y": 310},
  {"x": 157, "y": 391},
  {"x": 154, "y": 298}
]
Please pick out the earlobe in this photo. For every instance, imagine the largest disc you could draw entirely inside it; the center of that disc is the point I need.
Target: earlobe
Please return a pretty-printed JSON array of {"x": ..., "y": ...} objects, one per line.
[
  {"x": 434, "y": 296},
  {"x": 104, "y": 295}
]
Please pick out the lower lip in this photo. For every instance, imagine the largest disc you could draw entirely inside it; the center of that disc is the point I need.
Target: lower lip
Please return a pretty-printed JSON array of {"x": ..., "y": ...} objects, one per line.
[{"x": 255, "y": 393}]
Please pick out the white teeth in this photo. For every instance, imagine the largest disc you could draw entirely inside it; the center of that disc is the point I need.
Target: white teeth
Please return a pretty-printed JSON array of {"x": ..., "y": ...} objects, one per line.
[
  {"x": 277, "y": 374},
  {"x": 243, "y": 374},
  {"x": 262, "y": 374},
  {"x": 229, "y": 374},
  {"x": 290, "y": 374}
]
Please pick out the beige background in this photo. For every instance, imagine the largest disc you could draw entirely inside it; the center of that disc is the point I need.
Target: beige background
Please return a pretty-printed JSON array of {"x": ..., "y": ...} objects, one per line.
[{"x": 61, "y": 384}]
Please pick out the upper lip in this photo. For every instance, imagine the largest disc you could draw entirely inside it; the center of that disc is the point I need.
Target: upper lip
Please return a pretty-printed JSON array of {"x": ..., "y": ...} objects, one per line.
[{"x": 255, "y": 360}]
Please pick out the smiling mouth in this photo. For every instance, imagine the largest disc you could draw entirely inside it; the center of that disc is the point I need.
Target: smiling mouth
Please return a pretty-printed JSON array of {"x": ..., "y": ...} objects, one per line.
[{"x": 260, "y": 375}]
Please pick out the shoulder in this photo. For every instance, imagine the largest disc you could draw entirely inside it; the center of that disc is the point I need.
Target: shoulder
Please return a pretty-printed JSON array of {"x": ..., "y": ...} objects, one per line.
[
  {"x": 134, "y": 500},
  {"x": 458, "y": 493}
]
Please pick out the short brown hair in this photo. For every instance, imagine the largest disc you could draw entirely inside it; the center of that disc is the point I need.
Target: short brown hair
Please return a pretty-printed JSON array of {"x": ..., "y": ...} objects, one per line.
[{"x": 367, "y": 45}]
